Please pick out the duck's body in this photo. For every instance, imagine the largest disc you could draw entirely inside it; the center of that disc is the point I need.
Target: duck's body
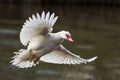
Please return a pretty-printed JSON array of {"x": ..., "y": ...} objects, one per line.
[{"x": 44, "y": 45}]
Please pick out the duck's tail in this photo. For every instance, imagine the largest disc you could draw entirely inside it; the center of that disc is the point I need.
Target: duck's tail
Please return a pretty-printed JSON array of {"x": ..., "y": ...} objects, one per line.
[{"x": 21, "y": 59}]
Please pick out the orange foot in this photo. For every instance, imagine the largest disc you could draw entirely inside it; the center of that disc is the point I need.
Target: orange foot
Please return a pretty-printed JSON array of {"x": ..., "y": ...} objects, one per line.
[{"x": 32, "y": 57}]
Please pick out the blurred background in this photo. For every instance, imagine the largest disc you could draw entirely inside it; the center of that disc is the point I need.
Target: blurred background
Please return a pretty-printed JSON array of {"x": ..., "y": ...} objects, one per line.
[{"x": 94, "y": 25}]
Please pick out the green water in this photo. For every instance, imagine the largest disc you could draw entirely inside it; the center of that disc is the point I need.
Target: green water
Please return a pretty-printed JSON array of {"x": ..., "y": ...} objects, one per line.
[{"x": 95, "y": 30}]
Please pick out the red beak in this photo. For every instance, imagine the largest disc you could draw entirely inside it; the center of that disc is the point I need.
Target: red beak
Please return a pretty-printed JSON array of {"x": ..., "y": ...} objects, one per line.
[{"x": 69, "y": 38}]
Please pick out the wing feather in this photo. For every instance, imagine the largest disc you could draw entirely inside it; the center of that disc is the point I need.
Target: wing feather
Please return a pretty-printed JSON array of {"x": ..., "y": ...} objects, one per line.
[
  {"x": 47, "y": 17},
  {"x": 37, "y": 25},
  {"x": 51, "y": 18},
  {"x": 63, "y": 56},
  {"x": 53, "y": 21},
  {"x": 43, "y": 16}
]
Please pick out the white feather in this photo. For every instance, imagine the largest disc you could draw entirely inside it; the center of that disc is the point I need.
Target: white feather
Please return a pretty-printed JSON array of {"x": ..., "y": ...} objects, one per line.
[
  {"x": 43, "y": 16},
  {"x": 51, "y": 18},
  {"x": 92, "y": 59},
  {"x": 35, "y": 25},
  {"x": 47, "y": 17},
  {"x": 38, "y": 16},
  {"x": 60, "y": 57},
  {"x": 33, "y": 16},
  {"x": 21, "y": 59},
  {"x": 54, "y": 20}
]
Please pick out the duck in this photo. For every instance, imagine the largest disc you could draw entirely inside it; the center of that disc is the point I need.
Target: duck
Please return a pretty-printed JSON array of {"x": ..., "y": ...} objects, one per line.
[{"x": 44, "y": 45}]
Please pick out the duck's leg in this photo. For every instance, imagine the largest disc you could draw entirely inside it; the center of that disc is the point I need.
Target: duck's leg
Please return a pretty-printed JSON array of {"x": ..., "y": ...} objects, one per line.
[
  {"x": 32, "y": 55},
  {"x": 36, "y": 60}
]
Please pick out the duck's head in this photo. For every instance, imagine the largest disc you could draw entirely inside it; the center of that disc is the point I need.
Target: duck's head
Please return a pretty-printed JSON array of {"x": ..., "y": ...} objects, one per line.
[{"x": 66, "y": 35}]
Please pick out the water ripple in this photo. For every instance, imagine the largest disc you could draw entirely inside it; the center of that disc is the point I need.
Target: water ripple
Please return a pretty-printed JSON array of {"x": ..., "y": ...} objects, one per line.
[
  {"x": 49, "y": 72},
  {"x": 8, "y": 31}
]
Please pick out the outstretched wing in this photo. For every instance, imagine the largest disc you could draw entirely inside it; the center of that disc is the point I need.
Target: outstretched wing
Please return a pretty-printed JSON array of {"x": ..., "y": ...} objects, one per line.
[
  {"x": 37, "y": 25},
  {"x": 63, "y": 56}
]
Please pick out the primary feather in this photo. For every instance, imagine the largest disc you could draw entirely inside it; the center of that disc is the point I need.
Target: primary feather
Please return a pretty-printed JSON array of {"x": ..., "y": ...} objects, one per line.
[{"x": 37, "y": 25}]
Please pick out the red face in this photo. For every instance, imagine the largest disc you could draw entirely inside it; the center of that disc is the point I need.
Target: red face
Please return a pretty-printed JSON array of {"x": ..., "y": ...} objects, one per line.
[{"x": 68, "y": 36}]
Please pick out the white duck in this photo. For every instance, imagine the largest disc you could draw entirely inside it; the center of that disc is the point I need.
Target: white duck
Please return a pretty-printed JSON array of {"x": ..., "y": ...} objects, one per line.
[{"x": 44, "y": 45}]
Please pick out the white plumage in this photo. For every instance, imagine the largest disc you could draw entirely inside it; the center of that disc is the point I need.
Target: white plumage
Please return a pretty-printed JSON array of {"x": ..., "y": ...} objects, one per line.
[
  {"x": 42, "y": 45},
  {"x": 35, "y": 26},
  {"x": 62, "y": 57}
]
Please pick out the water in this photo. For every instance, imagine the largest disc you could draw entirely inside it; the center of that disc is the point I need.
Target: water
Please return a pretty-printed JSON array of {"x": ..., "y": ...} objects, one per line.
[{"x": 96, "y": 31}]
